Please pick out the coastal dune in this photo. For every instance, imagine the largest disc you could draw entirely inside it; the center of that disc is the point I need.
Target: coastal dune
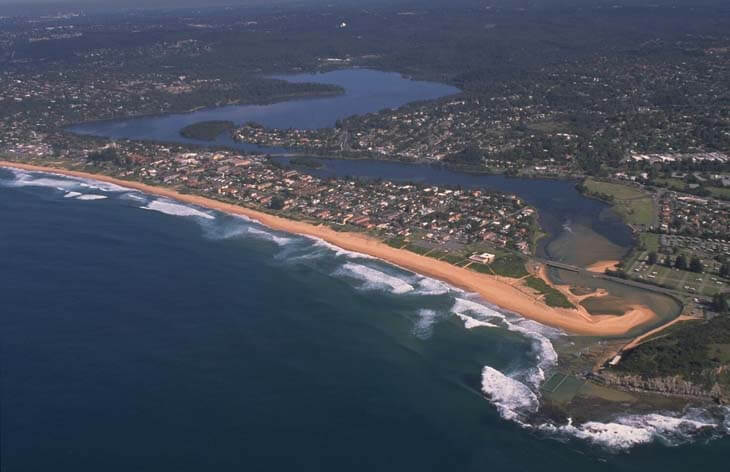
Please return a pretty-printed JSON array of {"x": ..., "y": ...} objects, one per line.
[{"x": 493, "y": 289}]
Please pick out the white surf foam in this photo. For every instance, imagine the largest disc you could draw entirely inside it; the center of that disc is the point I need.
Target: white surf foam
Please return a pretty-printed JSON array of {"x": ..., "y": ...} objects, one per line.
[
  {"x": 633, "y": 430},
  {"x": 27, "y": 179},
  {"x": 374, "y": 279},
  {"x": 424, "y": 326},
  {"x": 103, "y": 186},
  {"x": 338, "y": 250},
  {"x": 427, "y": 286},
  {"x": 72, "y": 195},
  {"x": 259, "y": 233},
  {"x": 477, "y": 310},
  {"x": 176, "y": 209},
  {"x": 471, "y": 323},
  {"x": 240, "y": 227},
  {"x": 475, "y": 314},
  {"x": 513, "y": 399},
  {"x": 91, "y": 196},
  {"x": 60, "y": 182},
  {"x": 133, "y": 196}
]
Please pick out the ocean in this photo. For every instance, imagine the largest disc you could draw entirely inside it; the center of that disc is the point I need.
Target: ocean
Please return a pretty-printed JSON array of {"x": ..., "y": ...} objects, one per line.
[{"x": 138, "y": 333}]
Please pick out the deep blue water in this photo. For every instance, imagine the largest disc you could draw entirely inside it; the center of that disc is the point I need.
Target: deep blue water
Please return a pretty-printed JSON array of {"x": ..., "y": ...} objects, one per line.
[{"x": 139, "y": 334}]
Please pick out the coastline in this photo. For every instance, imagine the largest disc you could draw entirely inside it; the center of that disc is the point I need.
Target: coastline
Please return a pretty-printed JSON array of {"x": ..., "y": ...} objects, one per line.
[{"x": 492, "y": 289}]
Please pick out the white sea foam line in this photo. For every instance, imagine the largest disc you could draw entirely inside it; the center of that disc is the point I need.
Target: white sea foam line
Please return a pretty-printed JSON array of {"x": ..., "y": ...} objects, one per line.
[
  {"x": 338, "y": 250},
  {"x": 242, "y": 226},
  {"x": 91, "y": 196},
  {"x": 25, "y": 180},
  {"x": 61, "y": 182},
  {"x": 176, "y": 209},
  {"x": 280, "y": 240},
  {"x": 72, "y": 195},
  {"x": 424, "y": 325},
  {"x": 429, "y": 286},
  {"x": 103, "y": 186},
  {"x": 410, "y": 283},
  {"x": 471, "y": 323},
  {"x": 513, "y": 399},
  {"x": 374, "y": 279},
  {"x": 134, "y": 196},
  {"x": 632, "y": 430}
]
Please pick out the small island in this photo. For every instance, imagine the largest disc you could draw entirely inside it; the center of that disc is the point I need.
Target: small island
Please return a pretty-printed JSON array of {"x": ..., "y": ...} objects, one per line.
[{"x": 207, "y": 130}]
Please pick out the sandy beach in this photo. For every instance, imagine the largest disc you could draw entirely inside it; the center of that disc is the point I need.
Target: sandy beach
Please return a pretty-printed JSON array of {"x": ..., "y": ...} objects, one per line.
[
  {"x": 492, "y": 289},
  {"x": 601, "y": 266}
]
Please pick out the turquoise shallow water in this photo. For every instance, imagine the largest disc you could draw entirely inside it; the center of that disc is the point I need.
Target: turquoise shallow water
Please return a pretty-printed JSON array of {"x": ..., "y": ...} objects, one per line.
[{"x": 141, "y": 334}]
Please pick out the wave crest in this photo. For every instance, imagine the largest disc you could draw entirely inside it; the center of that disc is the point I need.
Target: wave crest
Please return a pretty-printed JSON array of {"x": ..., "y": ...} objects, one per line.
[
  {"x": 513, "y": 399},
  {"x": 169, "y": 207},
  {"x": 374, "y": 279}
]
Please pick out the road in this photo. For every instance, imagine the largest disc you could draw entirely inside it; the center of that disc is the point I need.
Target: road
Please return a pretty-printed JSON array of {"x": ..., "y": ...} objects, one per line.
[{"x": 631, "y": 283}]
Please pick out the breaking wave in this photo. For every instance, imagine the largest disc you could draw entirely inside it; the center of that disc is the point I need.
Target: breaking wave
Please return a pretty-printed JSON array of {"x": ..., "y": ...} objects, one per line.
[
  {"x": 632, "y": 430},
  {"x": 426, "y": 320},
  {"x": 259, "y": 233},
  {"x": 428, "y": 286},
  {"x": 237, "y": 226},
  {"x": 374, "y": 279},
  {"x": 103, "y": 186},
  {"x": 59, "y": 182},
  {"x": 513, "y": 399},
  {"x": 169, "y": 207},
  {"x": 34, "y": 179},
  {"x": 338, "y": 250},
  {"x": 91, "y": 196},
  {"x": 475, "y": 315},
  {"x": 133, "y": 196}
]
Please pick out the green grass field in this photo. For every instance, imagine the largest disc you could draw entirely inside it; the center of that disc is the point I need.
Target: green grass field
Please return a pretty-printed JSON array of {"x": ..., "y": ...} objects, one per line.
[
  {"x": 682, "y": 280},
  {"x": 720, "y": 192},
  {"x": 634, "y": 205},
  {"x": 553, "y": 296},
  {"x": 509, "y": 266},
  {"x": 679, "y": 186}
]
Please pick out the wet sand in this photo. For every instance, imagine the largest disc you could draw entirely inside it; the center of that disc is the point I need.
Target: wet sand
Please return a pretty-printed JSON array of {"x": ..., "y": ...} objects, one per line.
[
  {"x": 601, "y": 266},
  {"x": 512, "y": 297}
]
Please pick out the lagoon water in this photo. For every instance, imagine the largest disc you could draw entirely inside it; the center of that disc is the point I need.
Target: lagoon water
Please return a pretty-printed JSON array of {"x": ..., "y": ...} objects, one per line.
[
  {"x": 365, "y": 91},
  {"x": 142, "y": 334}
]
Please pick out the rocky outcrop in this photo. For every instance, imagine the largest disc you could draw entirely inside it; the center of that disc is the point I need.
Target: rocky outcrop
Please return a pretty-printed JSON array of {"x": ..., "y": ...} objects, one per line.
[{"x": 675, "y": 386}]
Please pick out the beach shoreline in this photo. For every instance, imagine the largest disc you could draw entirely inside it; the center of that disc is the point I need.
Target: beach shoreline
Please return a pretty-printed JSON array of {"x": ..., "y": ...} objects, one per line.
[{"x": 490, "y": 288}]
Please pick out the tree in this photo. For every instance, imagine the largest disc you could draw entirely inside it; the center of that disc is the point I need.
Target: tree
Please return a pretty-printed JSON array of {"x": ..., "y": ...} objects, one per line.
[
  {"x": 277, "y": 203},
  {"x": 681, "y": 262},
  {"x": 720, "y": 303},
  {"x": 725, "y": 270},
  {"x": 652, "y": 257},
  {"x": 695, "y": 265}
]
